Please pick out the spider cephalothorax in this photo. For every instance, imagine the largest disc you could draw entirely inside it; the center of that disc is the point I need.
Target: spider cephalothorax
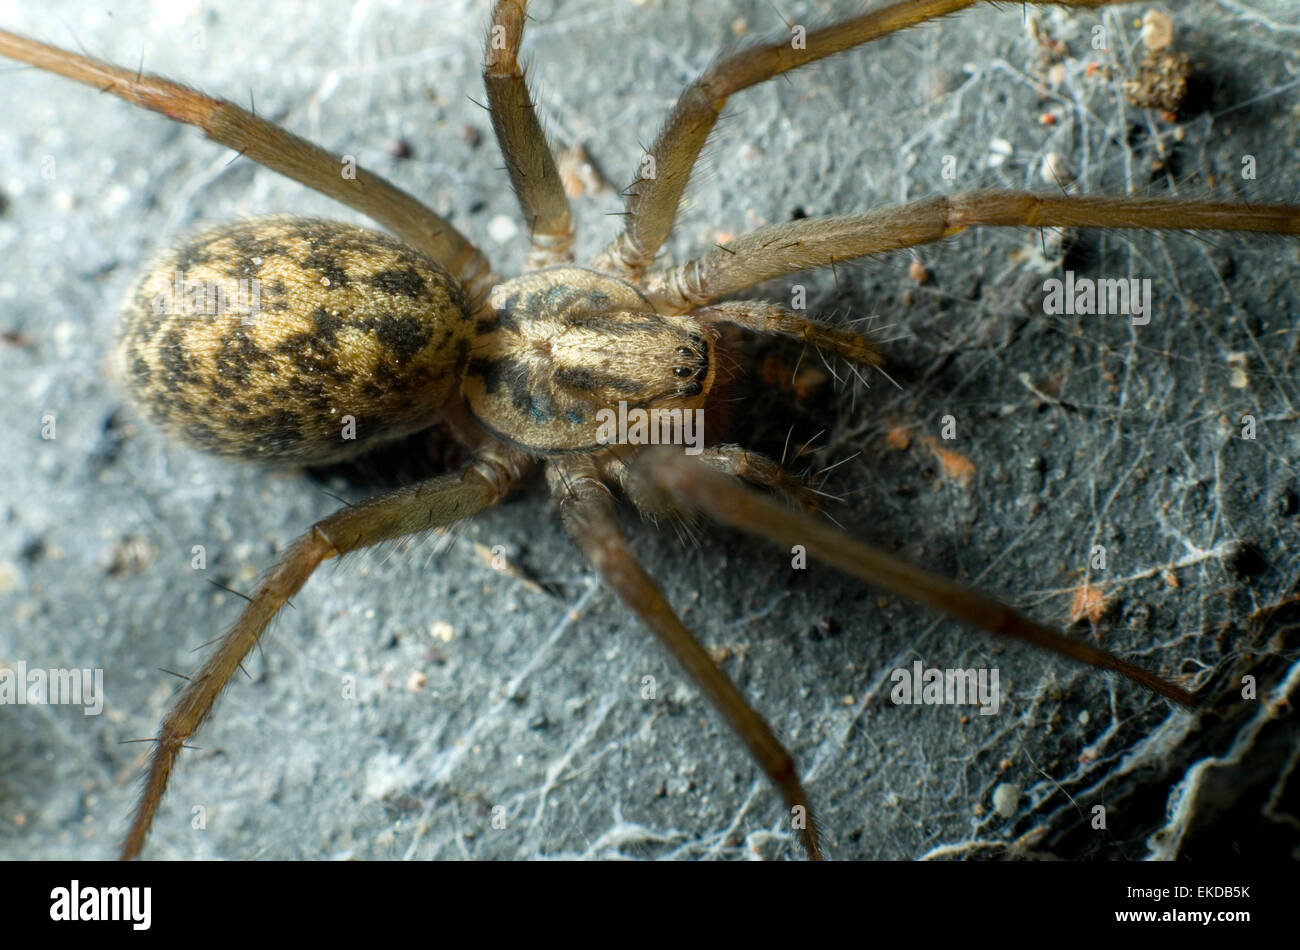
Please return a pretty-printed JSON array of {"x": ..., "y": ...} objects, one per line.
[
  {"x": 561, "y": 344},
  {"x": 303, "y": 341}
]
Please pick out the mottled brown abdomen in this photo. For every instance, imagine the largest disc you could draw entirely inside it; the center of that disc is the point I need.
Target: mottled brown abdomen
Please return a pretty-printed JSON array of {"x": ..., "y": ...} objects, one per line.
[{"x": 263, "y": 339}]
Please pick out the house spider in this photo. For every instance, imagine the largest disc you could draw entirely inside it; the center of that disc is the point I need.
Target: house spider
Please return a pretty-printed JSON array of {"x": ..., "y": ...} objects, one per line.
[{"x": 686, "y": 799}]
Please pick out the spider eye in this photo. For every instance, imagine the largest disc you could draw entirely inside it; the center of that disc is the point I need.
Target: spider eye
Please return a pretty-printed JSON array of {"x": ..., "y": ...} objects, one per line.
[
  {"x": 682, "y": 372},
  {"x": 684, "y": 351}
]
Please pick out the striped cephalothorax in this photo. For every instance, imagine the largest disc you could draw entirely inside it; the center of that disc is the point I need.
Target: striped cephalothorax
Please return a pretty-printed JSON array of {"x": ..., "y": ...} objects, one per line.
[
  {"x": 563, "y": 347},
  {"x": 301, "y": 341}
]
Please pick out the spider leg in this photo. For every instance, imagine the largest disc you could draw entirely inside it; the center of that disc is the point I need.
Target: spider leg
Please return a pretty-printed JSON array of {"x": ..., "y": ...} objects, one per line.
[
  {"x": 699, "y": 488},
  {"x": 772, "y": 319},
  {"x": 821, "y": 242},
  {"x": 757, "y": 469},
  {"x": 587, "y": 512},
  {"x": 654, "y": 197},
  {"x": 754, "y": 467},
  {"x": 276, "y": 149},
  {"x": 430, "y": 504},
  {"x": 532, "y": 169}
]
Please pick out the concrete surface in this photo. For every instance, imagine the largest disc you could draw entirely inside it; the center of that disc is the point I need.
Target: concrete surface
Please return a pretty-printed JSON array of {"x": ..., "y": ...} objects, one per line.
[{"x": 476, "y": 691}]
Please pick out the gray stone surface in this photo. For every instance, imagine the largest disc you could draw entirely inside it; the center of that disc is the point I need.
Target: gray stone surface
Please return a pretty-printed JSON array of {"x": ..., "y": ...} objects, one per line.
[{"x": 533, "y": 703}]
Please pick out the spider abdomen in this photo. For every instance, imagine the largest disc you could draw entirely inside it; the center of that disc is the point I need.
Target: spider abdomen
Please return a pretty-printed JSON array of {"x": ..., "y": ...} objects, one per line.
[{"x": 293, "y": 340}]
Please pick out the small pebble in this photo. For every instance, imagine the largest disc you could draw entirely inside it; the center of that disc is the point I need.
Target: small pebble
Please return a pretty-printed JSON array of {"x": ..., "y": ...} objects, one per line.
[
  {"x": 1157, "y": 30},
  {"x": 1006, "y": 799},
  {"x": 503, "y": 229},
  {"x": 1056, "y": 170}
]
